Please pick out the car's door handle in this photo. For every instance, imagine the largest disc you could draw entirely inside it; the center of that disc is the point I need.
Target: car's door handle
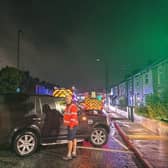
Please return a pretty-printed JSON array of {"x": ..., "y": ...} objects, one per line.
[{"x": 36, "y": 119}]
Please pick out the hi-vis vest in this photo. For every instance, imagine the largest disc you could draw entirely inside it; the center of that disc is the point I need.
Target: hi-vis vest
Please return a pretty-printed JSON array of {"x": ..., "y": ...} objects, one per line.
[{"x": 71, "y": 116}]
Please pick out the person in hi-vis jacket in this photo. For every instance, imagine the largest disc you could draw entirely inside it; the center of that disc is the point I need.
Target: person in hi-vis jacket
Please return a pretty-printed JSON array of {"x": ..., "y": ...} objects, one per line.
[{"x": 71, "y": 121}]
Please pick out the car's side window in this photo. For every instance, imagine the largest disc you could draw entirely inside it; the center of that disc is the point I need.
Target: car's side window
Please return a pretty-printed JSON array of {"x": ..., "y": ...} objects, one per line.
[
  {"x": 38, "y": 105},
  {"x": 46, "y": 104},
  {"x": 30, "y": 105},
  {"x": 60, "y": 105},
  {"x": 33, "y": 106},
  {"x": 47, "y": 100},
  {"x": 54, "y": 104}
]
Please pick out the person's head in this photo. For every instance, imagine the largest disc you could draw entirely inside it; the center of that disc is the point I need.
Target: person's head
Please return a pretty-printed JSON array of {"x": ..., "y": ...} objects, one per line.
[{"x": 68, "y": 99}]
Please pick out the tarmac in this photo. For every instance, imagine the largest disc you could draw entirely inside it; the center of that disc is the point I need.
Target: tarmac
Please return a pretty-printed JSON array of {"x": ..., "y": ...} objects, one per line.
[{"x": 150, "y": 148}]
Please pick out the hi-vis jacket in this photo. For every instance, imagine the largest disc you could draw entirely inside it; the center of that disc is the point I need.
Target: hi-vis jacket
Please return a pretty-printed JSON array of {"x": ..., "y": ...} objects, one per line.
[{"x": 71, "y": 116}]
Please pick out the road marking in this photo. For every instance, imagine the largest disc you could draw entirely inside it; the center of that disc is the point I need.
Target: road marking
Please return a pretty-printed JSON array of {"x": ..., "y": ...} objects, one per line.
[
  {"x": 125, "y": 125},
  {"x": 148, "y": 137},
  {"x": 120, "y": 143},
  {"x": 5, "y": 159},
  {"x": 104, "y": 149},
  {"x": 60, "y": 142}
]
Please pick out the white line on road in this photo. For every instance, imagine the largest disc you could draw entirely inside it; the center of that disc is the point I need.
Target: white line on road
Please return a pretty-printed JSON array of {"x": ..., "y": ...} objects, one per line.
[
  {"x": 5, "y": 159},
  {"x": 104, "y": 149},
  {"x": 125, "y": 125},
  {"x": 60, "y": 142},
  {"x": 120, "y": 143}
]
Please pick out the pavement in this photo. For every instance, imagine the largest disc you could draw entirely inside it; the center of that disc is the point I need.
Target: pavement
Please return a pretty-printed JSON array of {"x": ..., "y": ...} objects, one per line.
[{"x": 150, "y": 148}]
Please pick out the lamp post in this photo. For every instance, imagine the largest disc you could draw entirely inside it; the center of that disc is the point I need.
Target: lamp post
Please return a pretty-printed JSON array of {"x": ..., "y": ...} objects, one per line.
[
  {"x": 130, "y": 92},
  {"x": 19, "y": 33},
  {"x": 106, "y": 73},
  {"x": 130, "y": 96},
  {"x": 132, "y": 102}
]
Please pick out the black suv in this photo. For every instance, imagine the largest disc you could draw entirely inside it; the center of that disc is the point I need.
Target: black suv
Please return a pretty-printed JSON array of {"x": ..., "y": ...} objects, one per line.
[{"x": 26, "y": 121}]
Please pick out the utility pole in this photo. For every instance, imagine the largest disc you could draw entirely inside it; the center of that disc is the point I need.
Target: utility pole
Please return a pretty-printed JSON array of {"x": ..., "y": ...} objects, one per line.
[
  {"x": 106, "y": 76},
  {"x": 132, "y": 103},
  {"x": 106, "y": 73},
  {"x": 19, "y": 33}
]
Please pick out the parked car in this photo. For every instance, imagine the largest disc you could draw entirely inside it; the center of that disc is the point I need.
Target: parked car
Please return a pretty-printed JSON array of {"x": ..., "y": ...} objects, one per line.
[{"x": 27, "y": 121}]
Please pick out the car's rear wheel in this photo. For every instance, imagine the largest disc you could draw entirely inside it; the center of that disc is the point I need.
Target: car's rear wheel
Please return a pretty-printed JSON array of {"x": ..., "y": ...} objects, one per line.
[
  {"x": 98, "y": 137},
  {"x": 25, "y": 143}
]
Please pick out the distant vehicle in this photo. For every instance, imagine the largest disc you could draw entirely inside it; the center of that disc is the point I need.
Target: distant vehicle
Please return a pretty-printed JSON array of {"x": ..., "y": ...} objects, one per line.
[{"x": 27, "y": 121}]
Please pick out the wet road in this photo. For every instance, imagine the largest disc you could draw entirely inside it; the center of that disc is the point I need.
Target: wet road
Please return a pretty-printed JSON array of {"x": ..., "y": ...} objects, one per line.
[{"x": 113, "y": 155}]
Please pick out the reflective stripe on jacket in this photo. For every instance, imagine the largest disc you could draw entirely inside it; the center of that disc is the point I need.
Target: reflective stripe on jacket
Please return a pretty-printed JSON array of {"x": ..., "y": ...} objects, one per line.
[{"x": 71, "y": 116}]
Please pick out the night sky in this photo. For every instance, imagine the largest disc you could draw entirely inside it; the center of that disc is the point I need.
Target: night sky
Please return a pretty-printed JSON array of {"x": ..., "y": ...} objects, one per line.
[{"x": 62, "y": 39}]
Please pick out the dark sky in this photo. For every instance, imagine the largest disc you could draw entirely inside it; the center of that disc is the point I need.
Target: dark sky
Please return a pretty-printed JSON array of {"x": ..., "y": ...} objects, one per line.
[{"x": 62, "y": 39}]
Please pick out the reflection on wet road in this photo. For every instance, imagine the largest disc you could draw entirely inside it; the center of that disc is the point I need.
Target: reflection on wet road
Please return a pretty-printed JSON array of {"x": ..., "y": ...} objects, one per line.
[{"x": 113, "y": 155}]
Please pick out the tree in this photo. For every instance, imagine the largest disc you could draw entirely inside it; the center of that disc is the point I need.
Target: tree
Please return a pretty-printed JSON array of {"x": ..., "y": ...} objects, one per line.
[{"x": 10, "y": 79}]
